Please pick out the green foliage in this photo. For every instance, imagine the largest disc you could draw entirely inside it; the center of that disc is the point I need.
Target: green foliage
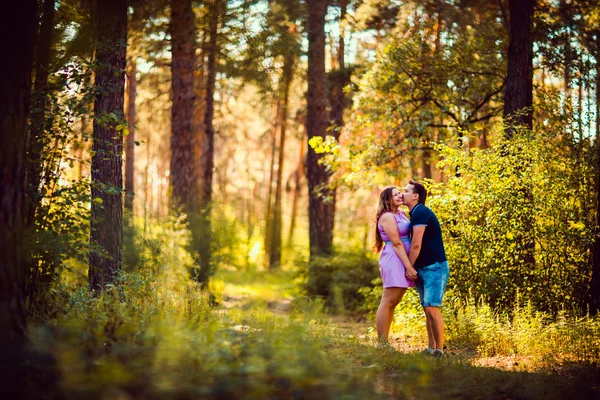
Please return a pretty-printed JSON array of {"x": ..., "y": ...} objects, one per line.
[
  {"x": 338, "y": 278},
  {"x": 164, "y": 340},
  {"x": 58, "y": 224},
  {"x": 533, "y": 188},
  {"x": 424, "y": 87}
]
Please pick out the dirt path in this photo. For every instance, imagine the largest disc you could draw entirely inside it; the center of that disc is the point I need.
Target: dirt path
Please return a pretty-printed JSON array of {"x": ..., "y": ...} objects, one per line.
[{"x": 400, "y": 371}]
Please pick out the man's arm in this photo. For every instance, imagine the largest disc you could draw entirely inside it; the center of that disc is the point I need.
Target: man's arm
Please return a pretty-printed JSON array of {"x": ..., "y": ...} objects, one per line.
[{"x": 415, "y": 244}]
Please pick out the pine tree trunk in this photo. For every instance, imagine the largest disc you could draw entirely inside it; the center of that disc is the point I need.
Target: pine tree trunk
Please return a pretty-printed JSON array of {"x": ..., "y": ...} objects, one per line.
[
  {"x": 107, "y": 165},
  {"x": 35, "y": 144},
  {"x": 269, "y": 205},
  {"x": 297, "y": 193},
  {"x": 320, "y": 209},
  {"x": 183, "y": 180},
  {"x": 568, "y": 55},
  {"x": 595, "y": 283},
  {"x": 15, "y": 82},
  {"x": 130, "y": 139},
  {"x": 518, "y": 102},
  {"x": 275, "y": 248},
  {"x": 199, "y": 107},
  {"x": 518, "y": 95},
  {"x": 217, "y": 8}
]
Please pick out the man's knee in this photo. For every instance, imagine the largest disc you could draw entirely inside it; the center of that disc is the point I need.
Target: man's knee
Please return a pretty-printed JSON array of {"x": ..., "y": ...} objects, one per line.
[{"x": 432, "y": 312}]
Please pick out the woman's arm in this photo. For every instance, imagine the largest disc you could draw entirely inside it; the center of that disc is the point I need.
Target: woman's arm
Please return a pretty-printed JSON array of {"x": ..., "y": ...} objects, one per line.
[{"x": 388, "y": 222}]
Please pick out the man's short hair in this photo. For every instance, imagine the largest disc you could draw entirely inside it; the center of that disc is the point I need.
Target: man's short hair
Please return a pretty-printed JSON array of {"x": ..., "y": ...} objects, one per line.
[{"x": 420, "y": 190}]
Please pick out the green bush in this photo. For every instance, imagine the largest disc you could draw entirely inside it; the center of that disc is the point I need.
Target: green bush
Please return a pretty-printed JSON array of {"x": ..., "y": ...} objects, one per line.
[
  {"x": 518, "y": 220},
  {"x": 339, "y": 278}
]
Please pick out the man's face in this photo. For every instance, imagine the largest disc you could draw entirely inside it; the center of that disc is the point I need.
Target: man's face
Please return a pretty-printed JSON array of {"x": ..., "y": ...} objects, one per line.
[{"x": 409, "y": 196}]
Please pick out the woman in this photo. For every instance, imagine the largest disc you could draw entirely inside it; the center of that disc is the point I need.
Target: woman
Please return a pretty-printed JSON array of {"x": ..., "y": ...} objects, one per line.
[{"x": 392, "y": 235}]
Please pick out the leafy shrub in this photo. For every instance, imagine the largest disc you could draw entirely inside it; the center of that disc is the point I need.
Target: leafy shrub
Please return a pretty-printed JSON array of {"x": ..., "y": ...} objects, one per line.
[
  {"x": 517, "y": 220},
  {"x": 339, "y": 278}
]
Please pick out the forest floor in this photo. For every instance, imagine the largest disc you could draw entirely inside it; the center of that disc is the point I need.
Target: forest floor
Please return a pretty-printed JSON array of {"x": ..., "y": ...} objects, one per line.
[{"x": 400, "y": 371}]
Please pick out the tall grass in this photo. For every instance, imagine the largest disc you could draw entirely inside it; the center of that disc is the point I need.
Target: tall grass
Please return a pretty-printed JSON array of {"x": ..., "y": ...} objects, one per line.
[{"x": 539, "y": 339}]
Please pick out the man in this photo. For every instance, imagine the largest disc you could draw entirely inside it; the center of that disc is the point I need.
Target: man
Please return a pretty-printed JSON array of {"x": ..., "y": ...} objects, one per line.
[{"x": 428, "y": 257}]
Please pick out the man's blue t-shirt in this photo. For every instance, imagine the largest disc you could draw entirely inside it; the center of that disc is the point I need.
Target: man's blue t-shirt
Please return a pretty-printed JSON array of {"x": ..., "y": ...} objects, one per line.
[{"x": 432, "y": 246}]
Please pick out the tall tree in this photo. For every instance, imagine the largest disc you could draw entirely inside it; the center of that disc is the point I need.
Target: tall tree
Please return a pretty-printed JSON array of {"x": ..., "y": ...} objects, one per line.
[
  {"x": 183, "y": 179},
  {"x": 130, "y": 139},
  {"x": 216, "y": 10},
  {"x": 287, "y": 76},
  {"x": 15, "y": 82},
  {"x": 36, "y": 135},
  {"x": 107, "y": 164},
  {"x": 518, "y": 94},
  {"x": 135, "y": 36},
  {"x": 518, "y": 103},
  {"x": 320, "y": 208},
  {"x": 595, "y": 283}
]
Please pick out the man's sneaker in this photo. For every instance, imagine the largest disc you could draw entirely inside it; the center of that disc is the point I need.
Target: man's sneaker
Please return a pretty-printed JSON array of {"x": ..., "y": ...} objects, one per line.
[
  {"x": 427, "y": 352},
  {"x": 437, "y": 353}
]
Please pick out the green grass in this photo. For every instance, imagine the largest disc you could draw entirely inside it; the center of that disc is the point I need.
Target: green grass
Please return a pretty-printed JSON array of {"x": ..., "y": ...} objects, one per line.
[{"x": 163, "y": 339}]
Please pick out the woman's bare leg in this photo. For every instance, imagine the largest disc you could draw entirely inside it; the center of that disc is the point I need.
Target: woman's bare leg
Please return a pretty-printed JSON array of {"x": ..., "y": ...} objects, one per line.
[{"x": 385, "y": 313}]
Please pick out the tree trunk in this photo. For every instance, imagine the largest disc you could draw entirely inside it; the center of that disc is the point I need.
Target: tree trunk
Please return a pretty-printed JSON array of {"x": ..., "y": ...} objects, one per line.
[
  {"x": 568, "y": 54},
  {"x": 320, "y": 207},
  {"x": 35, "y": 144},
  {"x": 107, "y": 164},
  {"x": 287, "y": 77},
  {"x": 130, "y": 148},
  {"x": 518, "y": 95},
  {"x": 269, "y": 205},
  {"x": 208, "y": 144},
  {"x": 518, "y": 102},
  {"x": 183, "y": 180},
  {"x": 15, "y": 82},
  {"x": 297, "y": 192},
  {"x": 199, "y": 107},
  {"x": 595, "y": 284}
]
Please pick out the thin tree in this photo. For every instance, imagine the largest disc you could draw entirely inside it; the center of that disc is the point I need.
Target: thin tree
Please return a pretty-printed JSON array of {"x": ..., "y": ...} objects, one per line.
[
  {"x": 216, "y": 10},
  {"x": 595, "y": 283},
  {"x": 320, "y": 208},
  {"x": 287, "y": 77},
  {"x": 15, "y": 83},
  {"x": 130, "y": 138},
  {"x": 107, "y": 176},
  {"x": 36, "y": 135}
]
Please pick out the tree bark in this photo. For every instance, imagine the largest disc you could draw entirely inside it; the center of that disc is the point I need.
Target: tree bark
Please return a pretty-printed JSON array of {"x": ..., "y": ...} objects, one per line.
[
  {"x": 15, "y": 82},
  {"x": 107, "y": 175},
  {"x": 595, "y": 283},
  {"x": 297, "y": 192},
  {"x": 183, "y": 179},
  {"x": 320, "y": 207},
  {"x": 269, "y": 205},
  {"x": 217, "y": 9},
  {"x": 130, "y": 148},
  {"x": 35, "y": 144},
  {"x": 518, "y": 102},
  {"x": 518, "y": 95},
  {"x": 287, "y": 77}
]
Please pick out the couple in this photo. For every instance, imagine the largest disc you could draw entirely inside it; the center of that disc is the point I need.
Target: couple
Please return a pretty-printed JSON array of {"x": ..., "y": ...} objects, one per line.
[{"x": 413, "y": 255}]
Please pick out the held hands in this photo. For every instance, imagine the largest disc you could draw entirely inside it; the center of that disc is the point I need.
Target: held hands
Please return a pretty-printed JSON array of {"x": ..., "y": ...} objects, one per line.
[{"x": 411, "y": 273}]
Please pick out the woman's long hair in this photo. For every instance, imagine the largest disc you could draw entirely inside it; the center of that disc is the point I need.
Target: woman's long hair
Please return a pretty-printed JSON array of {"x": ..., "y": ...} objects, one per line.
[{"x": 385, "y": 205}]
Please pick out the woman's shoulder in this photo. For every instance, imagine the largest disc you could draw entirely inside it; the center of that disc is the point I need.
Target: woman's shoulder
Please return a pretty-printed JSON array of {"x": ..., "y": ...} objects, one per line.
[{"x": 387, "y": 216}]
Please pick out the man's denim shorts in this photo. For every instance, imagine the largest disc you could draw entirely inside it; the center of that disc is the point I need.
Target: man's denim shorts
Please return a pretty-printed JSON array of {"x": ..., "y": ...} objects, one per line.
[{"x": 431, "y": 283}]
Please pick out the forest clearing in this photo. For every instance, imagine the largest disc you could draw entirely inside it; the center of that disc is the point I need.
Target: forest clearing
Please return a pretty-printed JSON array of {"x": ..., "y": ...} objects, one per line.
[{"x": 337, "y": 199}]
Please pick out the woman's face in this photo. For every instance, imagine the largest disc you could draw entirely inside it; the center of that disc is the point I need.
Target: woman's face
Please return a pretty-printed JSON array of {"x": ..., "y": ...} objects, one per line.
[{"x": 397, "y": 198}]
